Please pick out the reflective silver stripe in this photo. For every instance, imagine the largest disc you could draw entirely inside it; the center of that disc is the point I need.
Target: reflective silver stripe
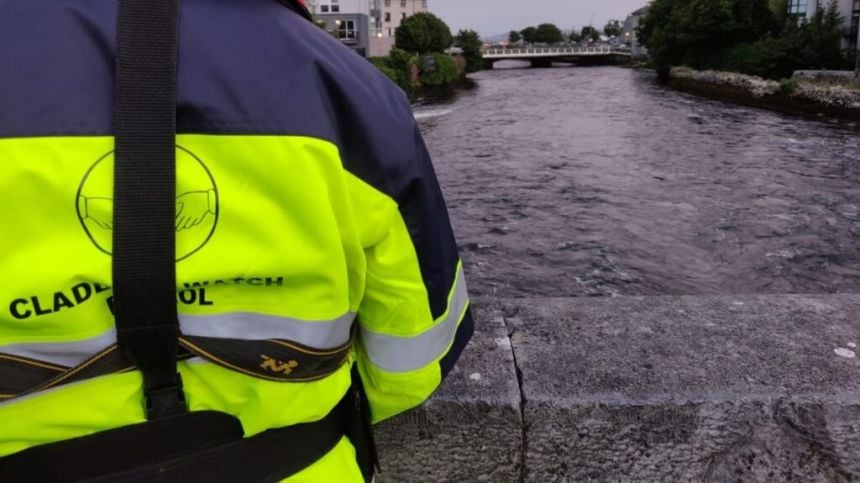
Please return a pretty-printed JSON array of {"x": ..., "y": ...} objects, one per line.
[
  {"x": 325, "y": 334},
  {"x": 404, "y": 354},
  {"x": 62, "y": 353}
]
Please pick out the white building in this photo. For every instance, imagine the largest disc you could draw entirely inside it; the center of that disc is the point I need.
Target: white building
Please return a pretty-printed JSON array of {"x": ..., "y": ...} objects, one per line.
[
  {"x": 368, "y": 26},
  {"x": 321, "y": 7},
  {"x": 628, "y": 33},
  {"x": 385, "y": 17},
  {"x": 348, "y": 20}
]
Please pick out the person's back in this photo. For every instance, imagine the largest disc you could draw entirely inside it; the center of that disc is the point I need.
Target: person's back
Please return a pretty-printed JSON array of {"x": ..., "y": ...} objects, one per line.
[{"x": 307, "y": 216}]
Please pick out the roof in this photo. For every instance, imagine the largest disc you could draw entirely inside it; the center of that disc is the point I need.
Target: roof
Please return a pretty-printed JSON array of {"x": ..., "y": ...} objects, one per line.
[{"x": 641, "y": 11}]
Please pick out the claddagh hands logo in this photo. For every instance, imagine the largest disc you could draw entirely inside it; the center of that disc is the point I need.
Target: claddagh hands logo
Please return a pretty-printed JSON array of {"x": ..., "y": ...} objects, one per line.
[{"x": 196, "y": 203}]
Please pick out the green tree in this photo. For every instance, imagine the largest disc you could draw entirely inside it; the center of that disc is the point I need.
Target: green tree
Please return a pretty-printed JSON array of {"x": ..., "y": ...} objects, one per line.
[
  {"x": 779, "y": 11},
  {"x": 423, "y": 33},
  {"x": 514, "y": 37},
  {"x": 612, "y": 29},
  {"x": 549, "y": 34},
  {"x": 470, "y": 42},
  {"x": 811, "y": 44},
  {"x": 702, "y": 33},
  {"x": 824, "y": 38},
  {"x": 574, "y": 36},
  {"x": 528, "y": 35},
  {"x": 590, "y": 33}
]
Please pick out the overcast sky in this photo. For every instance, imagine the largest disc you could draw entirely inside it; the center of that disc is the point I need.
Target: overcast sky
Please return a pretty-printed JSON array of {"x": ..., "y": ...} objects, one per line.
[{"x": 493, "y": 17}]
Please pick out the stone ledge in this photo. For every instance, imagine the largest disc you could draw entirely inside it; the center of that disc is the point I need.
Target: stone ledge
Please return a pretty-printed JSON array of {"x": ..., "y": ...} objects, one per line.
[
  {"x": 689, "y": 388},
  {"x": 754, "y": 388},
  {"x": 471, "y": 429}
]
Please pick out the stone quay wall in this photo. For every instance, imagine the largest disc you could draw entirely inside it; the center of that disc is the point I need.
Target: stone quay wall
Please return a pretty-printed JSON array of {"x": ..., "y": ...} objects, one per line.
[
  {"x": 799, "y": 95},
  {"x": 713, "y": 388}
]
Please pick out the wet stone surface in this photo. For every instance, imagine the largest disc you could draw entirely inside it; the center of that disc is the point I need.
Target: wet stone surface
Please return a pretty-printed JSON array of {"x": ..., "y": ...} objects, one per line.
[{"x": 689, "y": 388}]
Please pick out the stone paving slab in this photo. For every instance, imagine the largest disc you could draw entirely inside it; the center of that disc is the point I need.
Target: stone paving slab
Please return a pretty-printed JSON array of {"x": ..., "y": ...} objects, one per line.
[
  {"x": 471, "y": 429},
  {"x": 757, "y": 388}
]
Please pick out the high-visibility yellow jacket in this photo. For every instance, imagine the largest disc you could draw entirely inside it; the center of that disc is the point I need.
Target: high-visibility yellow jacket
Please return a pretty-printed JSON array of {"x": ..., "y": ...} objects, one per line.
[{"x": 307, "y": 209}]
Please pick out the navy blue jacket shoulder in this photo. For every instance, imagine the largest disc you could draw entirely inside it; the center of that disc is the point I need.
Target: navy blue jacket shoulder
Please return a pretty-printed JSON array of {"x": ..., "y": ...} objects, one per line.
[{"x": 245, "y": 67}]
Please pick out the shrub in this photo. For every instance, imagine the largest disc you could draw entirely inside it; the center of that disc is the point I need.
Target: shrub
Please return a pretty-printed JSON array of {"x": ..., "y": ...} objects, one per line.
[
  {"x": 850, "y": 59},
  {"x": 442, "y": 72},
  {"x": 399, "y": 59},
  {"x": 379, "y": 62},
  {"x": 771, "y": 58},
  {"x": 788, "y": 87},
  {"x": 397, "y": 67},
  {"x": 812, "y": 44},
  {"x": 402, "y": 62},
  {"x": 390, "y": 73}
]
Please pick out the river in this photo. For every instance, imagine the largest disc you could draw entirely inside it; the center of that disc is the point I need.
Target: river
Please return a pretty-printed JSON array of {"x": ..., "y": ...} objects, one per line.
[{"x": 600, "y": 182}]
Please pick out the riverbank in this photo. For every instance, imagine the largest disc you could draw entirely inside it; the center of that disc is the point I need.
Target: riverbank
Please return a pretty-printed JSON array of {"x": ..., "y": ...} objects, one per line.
[
  {"x": 432, "y": 75},
  {"x": 790, "y": 95}
]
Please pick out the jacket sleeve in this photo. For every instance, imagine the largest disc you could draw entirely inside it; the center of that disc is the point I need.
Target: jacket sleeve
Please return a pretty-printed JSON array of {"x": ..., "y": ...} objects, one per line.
[{"x": 414, "y": 319}]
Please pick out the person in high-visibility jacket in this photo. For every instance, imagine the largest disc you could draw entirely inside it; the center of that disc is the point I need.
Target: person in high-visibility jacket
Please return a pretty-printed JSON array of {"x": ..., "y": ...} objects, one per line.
[{"x": 309, "y": 222}]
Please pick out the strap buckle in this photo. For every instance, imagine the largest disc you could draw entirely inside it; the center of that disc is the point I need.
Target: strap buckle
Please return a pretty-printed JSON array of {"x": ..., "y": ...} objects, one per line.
[{"x": 165, "y": 401}]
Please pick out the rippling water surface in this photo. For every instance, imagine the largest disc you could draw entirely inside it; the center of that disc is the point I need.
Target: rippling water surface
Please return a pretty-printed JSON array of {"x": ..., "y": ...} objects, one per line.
[{"x": 598, "y": 181}]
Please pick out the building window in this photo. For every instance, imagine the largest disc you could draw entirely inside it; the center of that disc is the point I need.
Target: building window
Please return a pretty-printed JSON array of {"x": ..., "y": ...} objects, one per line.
[
  {"x": 324, "y": 8},
  {"x": 424, "y": 4},
  {"x": 797, "y": 7},
  {"x": 402, "y": 3},
  {"x": 387, "y": 16},
  {"x": 346, "y": 31},
  {"x": 387, "y": 3},
  {"x": 403, "y": 16},
  {"x": 335, "y": 8}
]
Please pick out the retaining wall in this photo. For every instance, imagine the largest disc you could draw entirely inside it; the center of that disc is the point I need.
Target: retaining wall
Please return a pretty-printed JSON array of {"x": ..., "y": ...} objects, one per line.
[{"x": 798, "y": 97}]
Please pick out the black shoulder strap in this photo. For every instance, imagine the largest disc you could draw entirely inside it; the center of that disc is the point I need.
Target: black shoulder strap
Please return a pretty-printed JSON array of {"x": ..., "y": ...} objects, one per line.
[{"x": 144, "y": 267}]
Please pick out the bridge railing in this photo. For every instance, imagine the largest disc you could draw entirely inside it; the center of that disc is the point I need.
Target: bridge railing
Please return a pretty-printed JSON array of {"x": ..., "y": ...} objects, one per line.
[{"x": 530, "y": 51}]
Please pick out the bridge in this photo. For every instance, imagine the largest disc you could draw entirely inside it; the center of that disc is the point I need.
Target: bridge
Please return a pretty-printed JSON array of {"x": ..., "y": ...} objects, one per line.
[{"x": 545, "y": 56}]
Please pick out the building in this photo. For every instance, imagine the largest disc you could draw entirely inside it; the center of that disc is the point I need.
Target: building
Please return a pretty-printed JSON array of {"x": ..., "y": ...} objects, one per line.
[
  {"x": 628, "y": 33},
  {"x": 849, "y": 9},
  {"x": 367, "y": 26},
  {"x": 347, "y": 20},
  {"x": 385, "y": 17}
]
